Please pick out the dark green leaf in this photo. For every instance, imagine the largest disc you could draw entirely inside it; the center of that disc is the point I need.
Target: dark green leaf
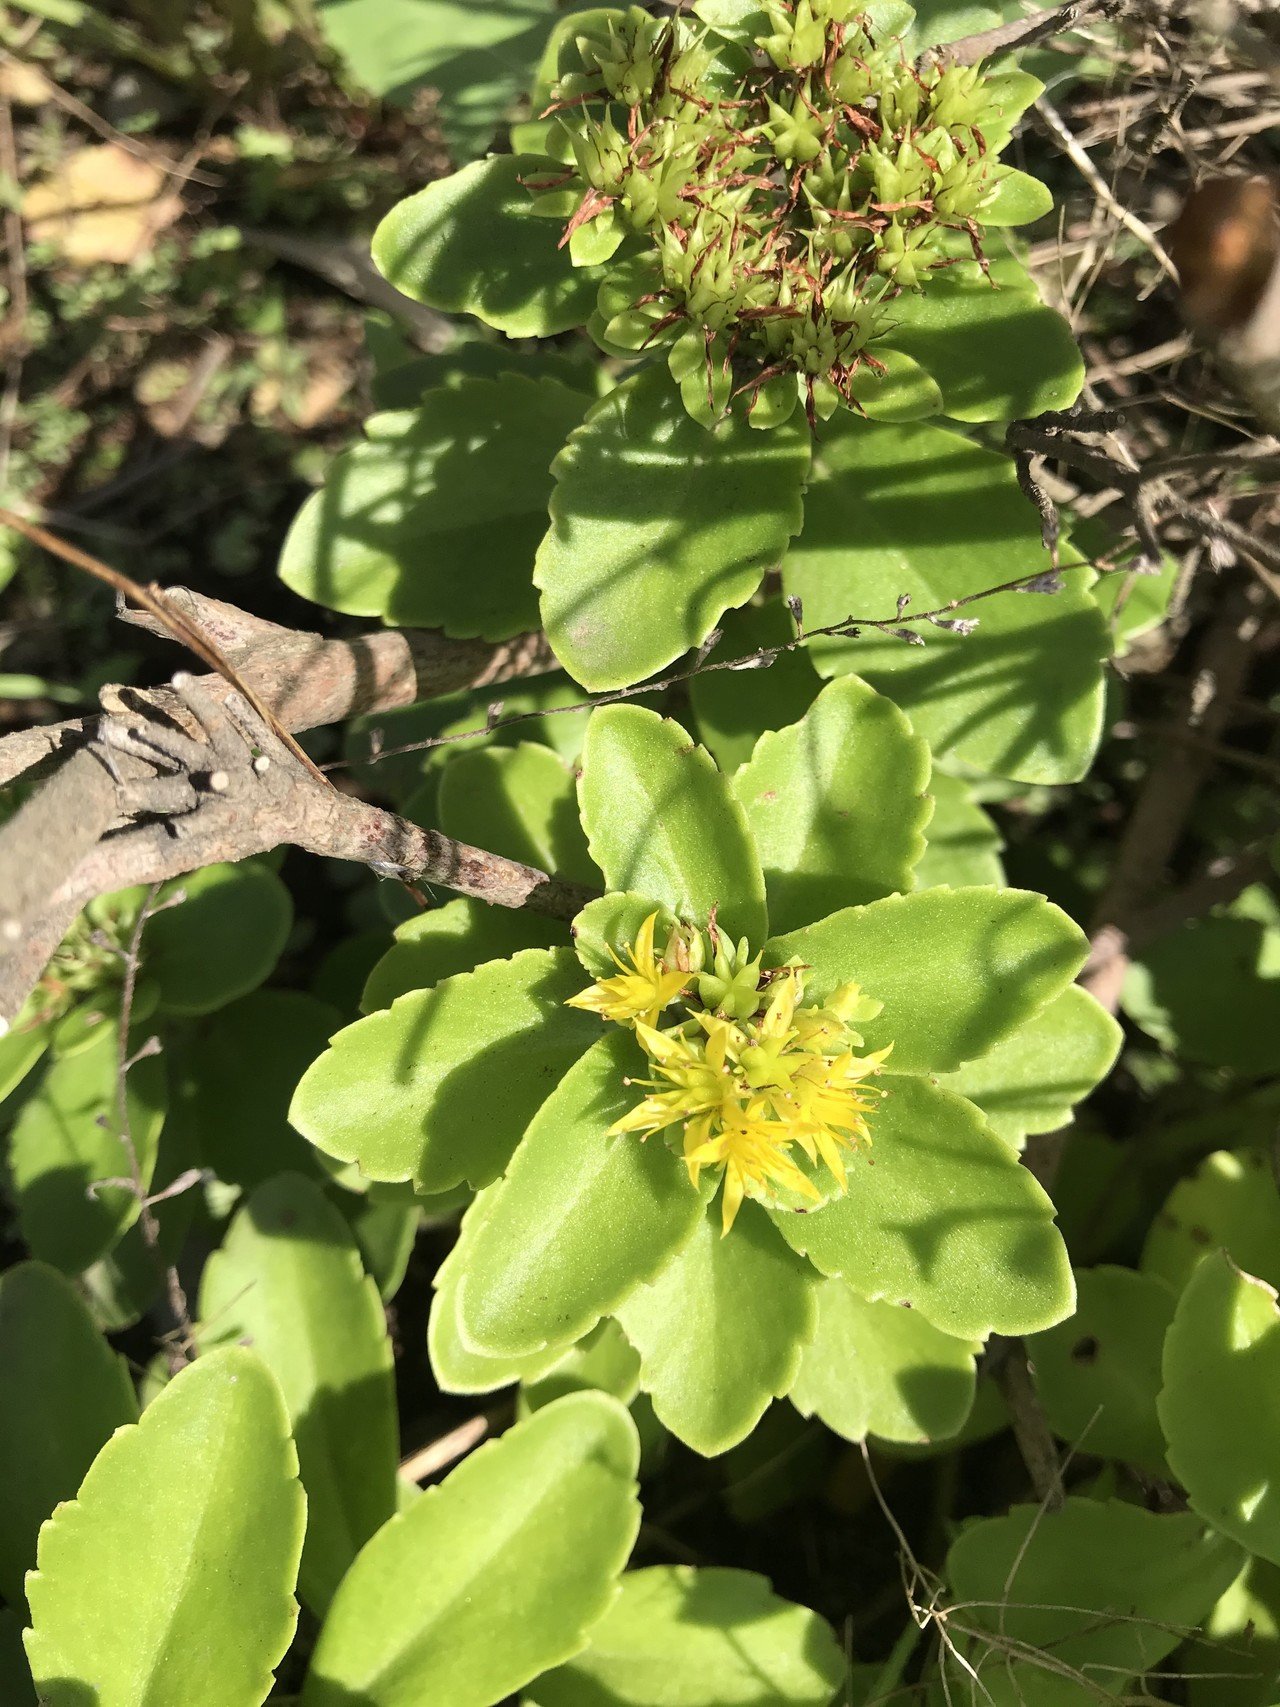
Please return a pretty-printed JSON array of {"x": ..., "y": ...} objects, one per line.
[
  {"x": 221, "y": 940},
  {"x": 457, "y": 937}
]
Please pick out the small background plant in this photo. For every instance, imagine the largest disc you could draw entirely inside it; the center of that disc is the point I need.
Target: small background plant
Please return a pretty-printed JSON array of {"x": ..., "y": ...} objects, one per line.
[{"x": 677, "y": 1108}]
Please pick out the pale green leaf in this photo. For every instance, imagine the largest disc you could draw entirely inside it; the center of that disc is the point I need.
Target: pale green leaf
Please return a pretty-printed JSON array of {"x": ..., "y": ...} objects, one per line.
[
  {"x": 458, "y": 937},
  {"x": 996, "y": 351},
  {"x": 941, "y": 1216},
  {"x": 658, "y": 527},
  {"x": 661, "y": 820},
  {"x": 66, "y": 1141},
  {"x": 220, "y": 941},
  {"x": 1018, "y": 199},
  {"x": 962, "y": 843},
  {"x": 438, "y": 1087},
  {"x": 580, "y": 1219},
  {"x": 63, "y": 1394},
  {"x": 432, "y": 521},
  {"x": 1229, "y": 1202},
  {"x": 875, "y": 1368},
  {"x": 1098, "y": 1374},
  {"x": 1220, "y": 1403},
  {"x": 288, "y": 1281},
  {"x": 920, "y": 511},
  {"x": 385, "y": 1231},
  {"x": 1033, "y": 1080},
  {"x": 182, "y": 1542},
  {"x": 678, "y": 1637},
  {"x": 721, "y": 1329},
  {"x": 492, "y": 1577},
  {"x": 836, "y": 804},
  {"x": 958, "y": 970},
  {"x": 20, "y": 1048},
  {"x": 603, "y": 1360},
  {"x": 896, "y": 389},
  {"x": 471, "y": 244},
  {"x": 456, "y": 1368},
  {"x": 1102, "y": 1588},
  {"x": 519, "y": 802},
  {"x": 607, "y": 926}
]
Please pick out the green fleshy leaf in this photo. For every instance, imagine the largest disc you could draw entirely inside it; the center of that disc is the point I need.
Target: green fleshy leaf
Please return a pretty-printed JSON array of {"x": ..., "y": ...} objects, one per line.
[
  {"x": 438, "y": 1087},
  {"x": 837, "y": 804},
  {"x": 288, "y": 1281},
  {"x": 608, "y": 925},
  {"x": 875, "y": 1368},
  {"x": 1099, "y": 1373},
  {"x": 472, "y": 244},
  {"x": 733, "y": 708},
  {"x": 678, "y": 1637},
  {"x": 958, "y": 970},
  {"x": 385, "y": 1231},
  {"x": 1210, "y": 990},
  {"x": 996, "y": 351},
  {"x": 1019, "y": 199},
  {"x": 658, "y": 527},
  {"x": 456, "y": 1368},
  {"x": 942, "y": 1217},
  {"x": 1033, "y": 1080},
  {"x": 238, "y": 1093},
  {"x": 519, "y": 802},
  {"x": 492, "y": 1577},
  {"x": 434, "y": 519},
  {"x": 1236, "y": 1662},
  {"x": 918, "y": 510},
  {"x": 183, "y": 1540},
  {"x": 458, "y": 937},
  {"x": 1229, "y": 1202},
  {"x": 661, "y": 820},
  {"x": 896, "y": 389},
  {"x": 20, "y": 1048},
  {"x": 1218, "y": 1403},
  {"x": 66, "y": 1140},
  {"x": 63, "y": 1395},
  {"x": 1101, "y": 1587},
  {"x": 580, "y": 1220},
  {"x": 478, "y": 58},
  {"x": 962, "y": 843},
  {"x": 603, "y": 1361},
  {"x": 220, "y": 941},
  {"x": 721, "y": 1329},
  {"x": 939, "y": 21}
]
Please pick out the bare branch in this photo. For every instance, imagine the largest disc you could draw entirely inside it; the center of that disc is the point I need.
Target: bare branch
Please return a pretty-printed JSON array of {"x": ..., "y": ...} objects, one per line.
[{"x": 1024, "y": 32}]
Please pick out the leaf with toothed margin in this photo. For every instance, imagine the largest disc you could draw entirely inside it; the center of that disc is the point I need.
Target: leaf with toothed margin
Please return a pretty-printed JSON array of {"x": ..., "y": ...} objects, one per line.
[
  {"x": 658, "y": 526},
  {"x": 958, "y": 970},
  {"x": 661, "y": 820},
  {"x": 438, "y": 1087},
  {"x": 941, "y": 1215},
  {"x": 712, "y": 1369},
  {"x": 579, "y": 1220}
]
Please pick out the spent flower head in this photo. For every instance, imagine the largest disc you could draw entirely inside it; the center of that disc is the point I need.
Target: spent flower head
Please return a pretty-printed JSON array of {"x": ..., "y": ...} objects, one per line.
[
  {"x": 766, "y": 199},
  {"x": 748, "y": 1079}
]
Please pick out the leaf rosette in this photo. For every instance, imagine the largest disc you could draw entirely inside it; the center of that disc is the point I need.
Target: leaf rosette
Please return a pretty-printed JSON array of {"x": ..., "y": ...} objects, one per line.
[{"x": 690, "y": 1122}]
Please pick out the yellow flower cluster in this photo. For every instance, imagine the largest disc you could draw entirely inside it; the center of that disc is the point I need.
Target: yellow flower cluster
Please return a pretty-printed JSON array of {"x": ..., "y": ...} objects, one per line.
[{"x": 758, "y": 1095}]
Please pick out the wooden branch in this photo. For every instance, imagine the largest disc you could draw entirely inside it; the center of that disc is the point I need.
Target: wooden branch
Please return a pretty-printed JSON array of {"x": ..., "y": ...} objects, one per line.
[
  {"x": 236, "y": 791},
  {"x": 307, "y": 681},
  {"x": 1023, "y": 32}
]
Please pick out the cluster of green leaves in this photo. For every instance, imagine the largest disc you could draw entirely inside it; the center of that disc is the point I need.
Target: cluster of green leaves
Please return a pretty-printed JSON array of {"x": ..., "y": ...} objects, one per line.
[
  {"x": 185, "y": 1529},
  {"x": 650, "y": 525},
  {"x": 486, "y": 1077}
]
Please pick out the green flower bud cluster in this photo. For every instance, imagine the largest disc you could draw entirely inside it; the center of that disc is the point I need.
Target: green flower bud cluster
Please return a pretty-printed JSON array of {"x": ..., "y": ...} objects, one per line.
[
  {"x": 89, "y": 959},
  {"x": 764, "y": 200}
]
